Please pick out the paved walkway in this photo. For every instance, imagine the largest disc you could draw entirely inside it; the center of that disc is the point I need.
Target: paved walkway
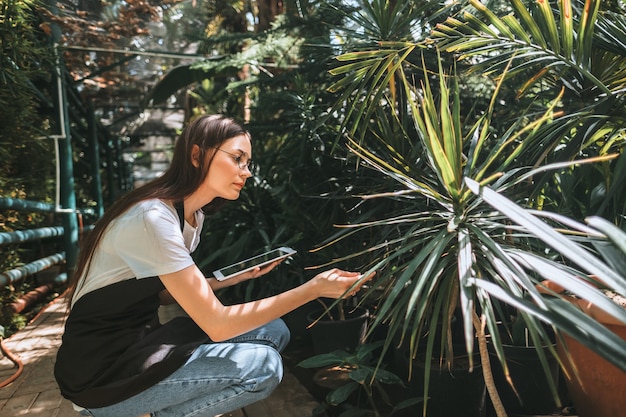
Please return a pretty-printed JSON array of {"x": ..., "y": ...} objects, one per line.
[{"x": 35, "y": 393}]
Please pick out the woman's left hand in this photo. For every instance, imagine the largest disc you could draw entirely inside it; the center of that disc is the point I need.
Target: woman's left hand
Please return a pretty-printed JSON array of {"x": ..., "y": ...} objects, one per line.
[
  {"x": 256, "y": 272},
  {"x": 244, "y": 276}
]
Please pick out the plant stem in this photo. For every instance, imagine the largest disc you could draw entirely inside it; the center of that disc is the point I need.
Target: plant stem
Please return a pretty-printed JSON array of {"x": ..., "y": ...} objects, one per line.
[
  {"x": 342, "y": 312},
  {"x": 479, "y": 325},
  {"x": 370, "y": 399}
]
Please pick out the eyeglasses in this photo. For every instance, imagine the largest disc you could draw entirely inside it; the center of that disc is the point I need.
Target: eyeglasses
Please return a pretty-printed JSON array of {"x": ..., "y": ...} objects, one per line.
[{"x": 239, "y": 160}]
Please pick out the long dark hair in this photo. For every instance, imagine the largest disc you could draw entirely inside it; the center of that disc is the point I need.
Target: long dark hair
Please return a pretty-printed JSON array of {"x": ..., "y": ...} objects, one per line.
[{"x": 180, "y": 180}]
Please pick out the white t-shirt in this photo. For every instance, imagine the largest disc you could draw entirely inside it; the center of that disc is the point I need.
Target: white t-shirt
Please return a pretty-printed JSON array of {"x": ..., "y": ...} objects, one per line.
[{"x": 145, "y": 241}]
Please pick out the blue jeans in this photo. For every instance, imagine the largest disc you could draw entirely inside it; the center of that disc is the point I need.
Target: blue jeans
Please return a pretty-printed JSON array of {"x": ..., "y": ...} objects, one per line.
[{"x": 218, "y": 378}]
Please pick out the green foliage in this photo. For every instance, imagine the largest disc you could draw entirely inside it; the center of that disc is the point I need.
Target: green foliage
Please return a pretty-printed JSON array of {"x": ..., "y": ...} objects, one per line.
[
  {"x": 390, "y": 120},
  {"x": 376, "y": 117},
  {"x": 26, "y": 155},
  {"x": 364, "y": 376},
  {"x": 445, "y": 237},
  {"x": 573, "y": 51},
  {"x": 26, "y": 160},
  {"x": 441, "y": 246},
  {"x": 10, "y": 321},
  {"x": 301, "y": 189}
]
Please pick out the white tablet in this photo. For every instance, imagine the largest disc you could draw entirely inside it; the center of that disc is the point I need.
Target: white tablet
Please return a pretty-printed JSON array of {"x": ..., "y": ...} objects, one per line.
[{"x": 251, "y": 263}]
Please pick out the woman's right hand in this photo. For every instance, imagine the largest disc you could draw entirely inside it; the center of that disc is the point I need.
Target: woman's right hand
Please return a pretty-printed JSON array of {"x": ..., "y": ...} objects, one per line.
[{"x": 335, "y": 283}]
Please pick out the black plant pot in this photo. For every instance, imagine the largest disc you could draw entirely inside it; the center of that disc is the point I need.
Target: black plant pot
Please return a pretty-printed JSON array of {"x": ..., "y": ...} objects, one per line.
[
  {"x": 298, "y": 321},
  {"x": 455, "y": 392},
  {"x": 328, "y": 335},
  {"x": 529, "y": 380}
]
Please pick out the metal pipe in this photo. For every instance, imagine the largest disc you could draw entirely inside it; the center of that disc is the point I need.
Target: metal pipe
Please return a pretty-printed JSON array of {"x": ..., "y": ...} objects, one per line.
[
  {"x": 156, "y": 54},
  {"x": 37, "y": 206},
  {"x": 66, "y": 202},
  {"x": 25, "y": 205},
  {"x": 17, "y": 274},
  {"x": 31, "y": 298},
  {"x": 94, "y": 156},
  {"x": 60, "y": 279},
  {"x": 21, "y": 236}
]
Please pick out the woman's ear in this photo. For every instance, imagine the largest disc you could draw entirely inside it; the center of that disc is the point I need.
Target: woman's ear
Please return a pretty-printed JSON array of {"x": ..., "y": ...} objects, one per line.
[{"x": 195, "y": 156}]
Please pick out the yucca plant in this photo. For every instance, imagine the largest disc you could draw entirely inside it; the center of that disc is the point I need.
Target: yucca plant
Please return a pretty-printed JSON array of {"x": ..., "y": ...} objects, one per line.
[
  {"x": 446, "y": 249},
  {"x": 598, "y": 291},
  {"x": 443, "y": 248}
]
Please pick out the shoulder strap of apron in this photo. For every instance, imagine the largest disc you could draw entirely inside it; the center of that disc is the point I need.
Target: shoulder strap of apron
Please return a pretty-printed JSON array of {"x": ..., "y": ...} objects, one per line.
[{"x": 180, "y": 209}]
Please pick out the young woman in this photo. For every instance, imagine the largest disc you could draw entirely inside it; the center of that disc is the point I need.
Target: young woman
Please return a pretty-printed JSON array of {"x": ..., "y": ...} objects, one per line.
[{"x": 116, "y": 359}]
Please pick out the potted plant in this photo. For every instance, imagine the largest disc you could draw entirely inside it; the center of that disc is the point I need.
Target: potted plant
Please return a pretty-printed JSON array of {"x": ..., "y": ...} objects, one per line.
[
  {"x": 592, "y": 351},
  {"x": 448, "y": 237},
  {"x": 363, "y": 378},
  {"x": 460, "y": 378},
  {"x": 338, "y": 325},
  {"x": 445, "y": 248},
  {"x": 596, "y": 386}
]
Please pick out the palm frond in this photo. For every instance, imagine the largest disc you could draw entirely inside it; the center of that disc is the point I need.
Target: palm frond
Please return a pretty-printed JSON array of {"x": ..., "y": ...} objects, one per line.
[{"x": 560, "y": 39}]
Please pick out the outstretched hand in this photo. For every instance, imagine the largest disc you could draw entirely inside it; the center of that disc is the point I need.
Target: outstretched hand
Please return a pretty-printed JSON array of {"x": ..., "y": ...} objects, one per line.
[{"x": 336, "y": 283}]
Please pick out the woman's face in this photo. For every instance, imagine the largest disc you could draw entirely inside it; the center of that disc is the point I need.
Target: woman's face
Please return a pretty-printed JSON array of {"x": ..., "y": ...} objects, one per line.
[{"x": 226, "y": 178}]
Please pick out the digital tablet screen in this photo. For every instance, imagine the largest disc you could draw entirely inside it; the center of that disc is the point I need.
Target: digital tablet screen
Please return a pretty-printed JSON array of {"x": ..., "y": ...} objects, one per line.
[{"x": 251, "y": 263}]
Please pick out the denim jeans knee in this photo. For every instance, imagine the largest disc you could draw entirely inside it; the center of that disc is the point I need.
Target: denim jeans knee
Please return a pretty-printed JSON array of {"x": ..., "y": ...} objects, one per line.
[
  {"x": 218, "y": 378},
  {"x": 222, "y": 377},
  {"x": 275, "y": 333}
]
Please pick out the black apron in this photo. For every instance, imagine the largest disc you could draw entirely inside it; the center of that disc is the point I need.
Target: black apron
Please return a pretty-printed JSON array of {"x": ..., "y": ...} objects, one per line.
[{"x": 114, "y": 347}]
